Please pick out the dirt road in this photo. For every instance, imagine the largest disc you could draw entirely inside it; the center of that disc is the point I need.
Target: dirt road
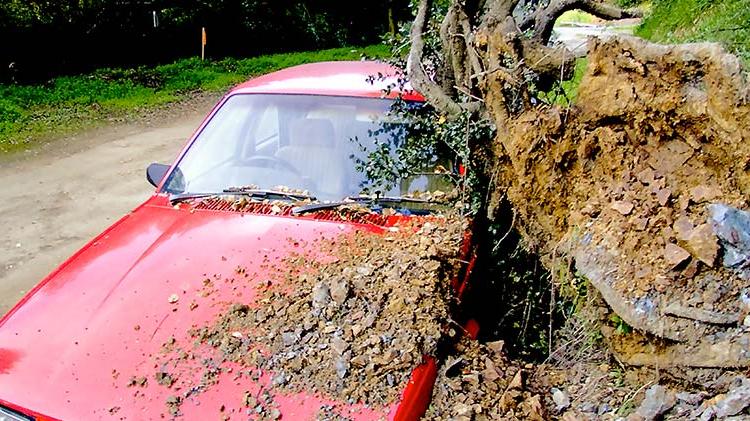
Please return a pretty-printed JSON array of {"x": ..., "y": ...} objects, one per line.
[{"x": 60, "y": 195}]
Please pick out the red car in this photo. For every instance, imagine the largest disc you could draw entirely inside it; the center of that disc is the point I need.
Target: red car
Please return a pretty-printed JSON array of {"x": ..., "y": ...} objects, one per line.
[{"x": 67, "y": 347}]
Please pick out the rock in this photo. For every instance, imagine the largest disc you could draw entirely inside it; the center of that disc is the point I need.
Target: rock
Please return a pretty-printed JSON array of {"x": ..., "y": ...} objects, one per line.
[
  {"x": 339, "y": 345},
  {"x": 462, "y": 409},
  {"x": 321, "y": 295},
  {"x": 288, "y": 338},
  {"x": 675, "y": 254},
  {"x": 561, "y": 399},
  {"x": 663, "y": 196},
  {"x": 517, "y": 382},
  {"x": 658, "y": 400},
  {"x": 703, "y": 193},
  {"x": 732, "y": 226},
  {"x": 339, "y": 291},
  {"x": 671, "y": 156},
  {"x": 703, "y": 244},
  {"x": 690, "y": 398},
  {"x": 536, "y": 408},
  {"x": 496, "y": 346},
  {"x": 622, "y": 206},
  {"x": 342, "y": 367},
  {"x": 734, "y": 402},
  {"x": 682, "y": 228},
  {"x": 713, "y": 317}
]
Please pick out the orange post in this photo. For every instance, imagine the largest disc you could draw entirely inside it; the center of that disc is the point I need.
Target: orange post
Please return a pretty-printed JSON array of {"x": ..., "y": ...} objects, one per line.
[{"x": 203, "y": 43}]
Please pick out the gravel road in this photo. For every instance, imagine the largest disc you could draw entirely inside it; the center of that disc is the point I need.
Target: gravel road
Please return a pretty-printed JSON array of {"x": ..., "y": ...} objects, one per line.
[{"x": 58, "y": 196}]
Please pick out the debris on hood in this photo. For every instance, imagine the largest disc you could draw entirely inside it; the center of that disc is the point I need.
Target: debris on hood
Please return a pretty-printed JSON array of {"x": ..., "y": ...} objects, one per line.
[{"x": 347, "y": 319}]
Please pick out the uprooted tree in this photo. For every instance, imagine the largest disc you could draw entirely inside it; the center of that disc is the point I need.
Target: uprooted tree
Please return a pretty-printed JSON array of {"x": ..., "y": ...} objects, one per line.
[{"x": 639, "y": 184}]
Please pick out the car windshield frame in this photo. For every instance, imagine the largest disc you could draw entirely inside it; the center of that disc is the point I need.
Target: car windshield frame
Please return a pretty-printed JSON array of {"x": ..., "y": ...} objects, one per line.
[{"x": 192, "y": 150}]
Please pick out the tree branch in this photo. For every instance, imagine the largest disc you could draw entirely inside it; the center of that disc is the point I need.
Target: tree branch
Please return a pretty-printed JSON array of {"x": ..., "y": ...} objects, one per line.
[
  {"x": 543, "y": 20},
  {"x": 417, "y": 75}
]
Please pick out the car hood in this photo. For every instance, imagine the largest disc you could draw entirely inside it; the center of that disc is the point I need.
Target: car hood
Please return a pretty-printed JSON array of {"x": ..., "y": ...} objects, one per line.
[{"x": 71, "y": 347}]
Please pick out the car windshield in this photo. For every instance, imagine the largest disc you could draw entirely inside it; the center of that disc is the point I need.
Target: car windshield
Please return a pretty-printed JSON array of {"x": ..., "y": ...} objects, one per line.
[{"x": 311, "y": 143}]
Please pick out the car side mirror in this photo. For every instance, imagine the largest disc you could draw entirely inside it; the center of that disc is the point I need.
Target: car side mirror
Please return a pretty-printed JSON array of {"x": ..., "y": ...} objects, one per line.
[{"x": 155, "y": 173}]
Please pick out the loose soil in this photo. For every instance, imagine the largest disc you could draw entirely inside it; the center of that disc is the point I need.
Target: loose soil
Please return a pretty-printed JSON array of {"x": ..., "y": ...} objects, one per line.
[{"x": 347, "y": 320}]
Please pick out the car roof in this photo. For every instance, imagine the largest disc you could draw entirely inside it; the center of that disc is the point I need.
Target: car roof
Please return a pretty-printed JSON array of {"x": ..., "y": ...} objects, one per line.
[{"x": 338, "y": 78}]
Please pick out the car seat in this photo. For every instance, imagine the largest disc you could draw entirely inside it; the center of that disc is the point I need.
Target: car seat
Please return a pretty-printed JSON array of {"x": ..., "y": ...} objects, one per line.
[{"x": 312, "y": 151}]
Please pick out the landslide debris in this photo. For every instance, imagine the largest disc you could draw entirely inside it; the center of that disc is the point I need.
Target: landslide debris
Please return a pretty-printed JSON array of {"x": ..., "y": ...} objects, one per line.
[
  {"x": 644, "y": 182},
  {"x": 348, "y": 319}
]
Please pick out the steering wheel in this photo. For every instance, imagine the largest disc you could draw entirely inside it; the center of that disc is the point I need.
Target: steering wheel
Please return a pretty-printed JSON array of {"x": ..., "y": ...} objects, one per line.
[{"x": 271, "y": 161}]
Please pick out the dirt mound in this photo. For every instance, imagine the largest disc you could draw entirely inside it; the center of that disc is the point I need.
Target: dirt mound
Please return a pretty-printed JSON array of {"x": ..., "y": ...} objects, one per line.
[
  {"x": 348, "y": 319},
  {"x": 479, "y": 382},
  {"x": 631, "y": 182}
]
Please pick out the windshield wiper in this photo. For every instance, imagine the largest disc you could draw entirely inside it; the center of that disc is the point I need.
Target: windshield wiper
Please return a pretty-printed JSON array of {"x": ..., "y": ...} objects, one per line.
[
  {"x": 254, "y": 193},
  {"x": 351, "y": 200}
]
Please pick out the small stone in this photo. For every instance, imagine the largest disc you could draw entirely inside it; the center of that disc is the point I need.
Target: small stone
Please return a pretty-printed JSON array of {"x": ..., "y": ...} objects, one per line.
[
  {"x": 288, "y": 338},
  {"x": 342, "y": 367},
  {"x": 339, "y": 345},
  {"x": 675, "y": 254},
  {"x": 561, "y": 399},
  {"x": 663, "y": 196},
  {"x": 657, "y": 401},
  {"x": 640, "y": 224},
  {"x": 623, "y": 206},
  {"x": 496, "y": 346},
  {"x": 174, "y": 298},
  {"x": 517, "y": 382},
  {"x": 703, "y": 244},
  {"x": 321, "y": 295},
  {"x": 690, "y": 398},
  {"x": 703, "y": 193},
  {"x": 462, "y": 409},
  {"x": 339, "y": 291}
]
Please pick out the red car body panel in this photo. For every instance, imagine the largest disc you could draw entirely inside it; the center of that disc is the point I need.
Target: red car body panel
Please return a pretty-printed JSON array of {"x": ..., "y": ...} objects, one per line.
[
  {"x": 333, "y": 78},
  {"x": 68, "y": 348}
]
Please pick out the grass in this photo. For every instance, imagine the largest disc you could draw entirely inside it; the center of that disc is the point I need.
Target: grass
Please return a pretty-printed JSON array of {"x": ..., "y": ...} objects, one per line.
[
  {"x": 576, "y": 16},
  {"x": 566, "y": 92},
  {"x": 724, "y": 21},
  {"x": 29, "y": 113}
]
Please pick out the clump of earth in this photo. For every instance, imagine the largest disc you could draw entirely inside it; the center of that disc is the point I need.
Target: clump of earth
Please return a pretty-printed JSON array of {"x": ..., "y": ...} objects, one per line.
[
  {"x": 348, "y": 319},
  {"x": 643, "y": 184}
]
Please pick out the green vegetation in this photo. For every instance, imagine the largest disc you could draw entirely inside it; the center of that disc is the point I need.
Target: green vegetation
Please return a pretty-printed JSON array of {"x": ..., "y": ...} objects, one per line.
[
  {"x": 565, "y": 93},
  {"x": 724, "y": 21},
  {"x": 65, "y": 104},
  {"x": 576, "y": 16}
]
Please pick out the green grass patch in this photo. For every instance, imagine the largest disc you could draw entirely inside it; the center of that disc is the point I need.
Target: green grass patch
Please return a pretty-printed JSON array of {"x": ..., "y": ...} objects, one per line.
[
  {"x": 724, "y": 21},
  {"x": 576, "y": 16},
  {"x": 566, "y": 92},
  {"x": 67, "y": 104}
]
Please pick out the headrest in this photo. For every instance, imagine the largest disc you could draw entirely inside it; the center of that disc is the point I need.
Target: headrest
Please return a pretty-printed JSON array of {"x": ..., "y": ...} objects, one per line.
[{"x": 311, "y": 132}]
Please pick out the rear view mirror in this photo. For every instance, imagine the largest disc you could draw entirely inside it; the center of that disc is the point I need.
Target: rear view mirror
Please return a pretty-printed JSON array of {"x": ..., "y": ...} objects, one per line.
[{"x": 155, "y": 173}]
